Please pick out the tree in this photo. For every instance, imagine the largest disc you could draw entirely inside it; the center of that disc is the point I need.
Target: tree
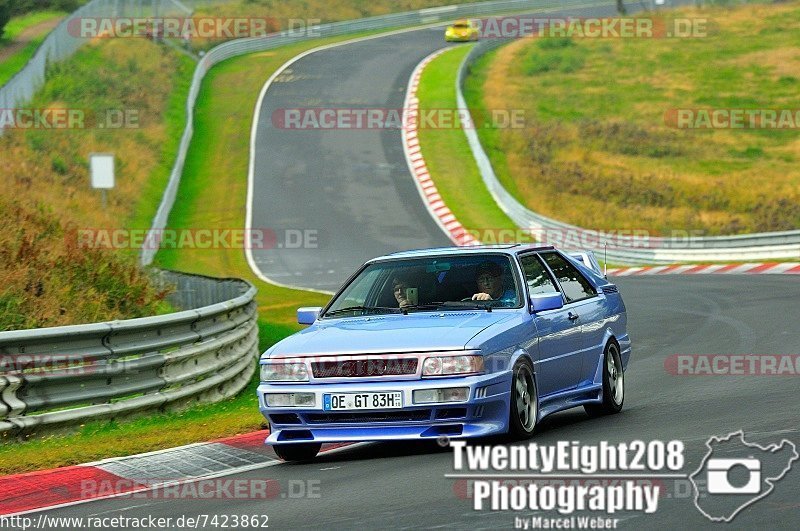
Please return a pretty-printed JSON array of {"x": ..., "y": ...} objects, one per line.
[
  {"x": 621, "y": 7},
  {"x": 5, "y": 14}
]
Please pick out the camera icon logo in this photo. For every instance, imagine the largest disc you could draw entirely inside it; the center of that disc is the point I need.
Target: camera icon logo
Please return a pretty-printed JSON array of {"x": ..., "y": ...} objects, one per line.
[
  {"x": 735, "y": 474},
  {"x": 719, "y": 482}
]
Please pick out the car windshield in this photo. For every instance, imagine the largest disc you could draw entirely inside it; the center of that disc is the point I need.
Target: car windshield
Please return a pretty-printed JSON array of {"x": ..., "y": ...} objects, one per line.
[
  {"x": 460, "y": 25},
  {"x": 485, "y": 281}
]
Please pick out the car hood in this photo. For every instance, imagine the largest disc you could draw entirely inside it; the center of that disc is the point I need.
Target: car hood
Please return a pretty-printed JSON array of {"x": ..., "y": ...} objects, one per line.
[{"x": 415, "y": 332}]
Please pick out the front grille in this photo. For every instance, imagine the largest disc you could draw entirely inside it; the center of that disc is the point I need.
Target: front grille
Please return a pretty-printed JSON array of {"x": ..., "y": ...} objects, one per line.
[
  {"x": 364, "y": 368},
  {"x": 372, "y": 416}
]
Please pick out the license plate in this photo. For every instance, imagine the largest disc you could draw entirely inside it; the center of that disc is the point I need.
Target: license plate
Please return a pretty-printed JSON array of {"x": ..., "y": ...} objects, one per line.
[{"x": 345, "y": 401}]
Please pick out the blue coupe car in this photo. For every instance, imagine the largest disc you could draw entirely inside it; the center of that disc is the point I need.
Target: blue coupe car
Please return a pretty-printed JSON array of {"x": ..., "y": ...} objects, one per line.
[{"x": 454, "y": 342}]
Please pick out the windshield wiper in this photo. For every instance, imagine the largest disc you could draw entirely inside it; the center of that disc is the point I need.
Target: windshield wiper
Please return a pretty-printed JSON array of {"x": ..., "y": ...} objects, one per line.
[
  {"x": 468, "y": 305},
  {"x": 426, "y": 306},
  {"x": 361, "y": 308}
]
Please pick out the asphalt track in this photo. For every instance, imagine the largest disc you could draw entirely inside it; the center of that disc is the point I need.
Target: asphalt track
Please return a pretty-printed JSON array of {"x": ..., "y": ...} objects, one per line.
[
  {"x": 354, "y": 188},
  {"x": 350, "y": 187},
  {"x": 402, "y": 485}
]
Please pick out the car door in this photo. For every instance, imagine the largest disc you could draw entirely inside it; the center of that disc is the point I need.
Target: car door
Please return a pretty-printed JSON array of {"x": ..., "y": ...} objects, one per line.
[
  {"x": 558, "y": 363},
  {"x": 586, "y": 309}
]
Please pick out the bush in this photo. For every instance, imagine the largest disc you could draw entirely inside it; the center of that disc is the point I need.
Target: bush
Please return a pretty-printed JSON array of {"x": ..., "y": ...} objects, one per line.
[
  {"x": 5, "y": 15},
  {"x": 47, "y": 278},
  {"x": 21, "y": 7}
]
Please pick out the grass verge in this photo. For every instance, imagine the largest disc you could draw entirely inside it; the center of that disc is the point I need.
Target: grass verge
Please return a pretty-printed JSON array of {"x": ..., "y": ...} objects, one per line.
[
  {"x": 606, "y": 154},
  {"x": 449, "y": 157},
  {"x": 19, "y": 53}
]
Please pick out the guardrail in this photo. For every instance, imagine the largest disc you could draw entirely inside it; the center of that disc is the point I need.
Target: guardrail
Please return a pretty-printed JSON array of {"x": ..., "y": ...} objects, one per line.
[
  {"x": 63, "y": 376},
  {"x": 622, "y": 249},
  {"x": 234, "y": 48}
]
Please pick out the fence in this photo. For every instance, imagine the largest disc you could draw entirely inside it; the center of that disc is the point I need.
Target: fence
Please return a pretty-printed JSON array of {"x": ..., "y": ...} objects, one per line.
[
  {"x": 63, "y": 376},
  {"x": 61, "y": 44}
]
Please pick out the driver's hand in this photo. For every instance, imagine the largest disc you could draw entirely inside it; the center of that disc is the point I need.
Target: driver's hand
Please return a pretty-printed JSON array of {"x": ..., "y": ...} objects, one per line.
[{"x": 481, "y": 297}]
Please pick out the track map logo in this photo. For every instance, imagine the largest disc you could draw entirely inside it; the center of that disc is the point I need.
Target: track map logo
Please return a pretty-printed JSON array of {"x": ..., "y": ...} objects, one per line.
[{"x": 738, "y": 473}]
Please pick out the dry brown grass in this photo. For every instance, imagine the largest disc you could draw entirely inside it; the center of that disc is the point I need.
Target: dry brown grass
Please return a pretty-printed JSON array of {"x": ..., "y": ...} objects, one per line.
[
  {"x": 46, "y": 279},
  {"x": 598, "y": 152}
]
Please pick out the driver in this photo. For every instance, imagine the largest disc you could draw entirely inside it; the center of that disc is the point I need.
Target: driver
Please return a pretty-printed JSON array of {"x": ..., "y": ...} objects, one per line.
[
  {"x": 490, "y": 284},
  {"x": 400, "y": 283}
]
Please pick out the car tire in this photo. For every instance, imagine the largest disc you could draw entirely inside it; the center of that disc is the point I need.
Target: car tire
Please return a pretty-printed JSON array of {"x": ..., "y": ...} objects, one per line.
[
  {"x": 613, "y": 383},
  {"x": 297, "y": 452},
  {"x": 524, "y": 408}
]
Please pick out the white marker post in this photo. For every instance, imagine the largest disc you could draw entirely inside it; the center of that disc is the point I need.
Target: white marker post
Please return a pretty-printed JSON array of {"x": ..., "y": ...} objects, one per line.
[{"x": 101, "y": 166}]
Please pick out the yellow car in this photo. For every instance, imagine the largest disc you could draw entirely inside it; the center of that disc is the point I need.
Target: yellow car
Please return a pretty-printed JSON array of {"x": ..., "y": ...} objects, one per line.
[{"x": 462, "y": 30}]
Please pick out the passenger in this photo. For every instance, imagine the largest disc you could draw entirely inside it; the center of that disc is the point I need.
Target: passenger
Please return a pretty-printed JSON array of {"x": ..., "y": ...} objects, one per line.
[{"x": 490, "y": 283}]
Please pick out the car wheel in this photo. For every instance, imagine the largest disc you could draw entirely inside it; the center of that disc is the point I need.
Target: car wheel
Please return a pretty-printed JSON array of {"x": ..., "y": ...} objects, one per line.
[
  {"x": 524, "y": 408},
  {"x": 297, "y": 452},
  {"x": 613, "y": 383}
]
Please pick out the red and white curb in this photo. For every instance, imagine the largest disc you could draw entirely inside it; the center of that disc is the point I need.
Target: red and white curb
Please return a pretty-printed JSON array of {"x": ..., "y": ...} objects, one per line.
[
  {"x": 770, "y": 268},
  {"x": 416, "y": 163},
  {"x": 173, "y": 468},
  {"x": 459, "y": 235}
]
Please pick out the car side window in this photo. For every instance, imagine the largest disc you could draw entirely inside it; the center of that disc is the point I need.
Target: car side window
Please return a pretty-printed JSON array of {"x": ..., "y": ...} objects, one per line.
[
  {"x": 575, "y": 286},
  {"x": 536, "y": 276}
]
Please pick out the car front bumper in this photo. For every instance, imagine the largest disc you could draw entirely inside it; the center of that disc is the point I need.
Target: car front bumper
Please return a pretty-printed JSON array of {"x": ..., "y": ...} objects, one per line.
[{"x": 485, "y": 412}]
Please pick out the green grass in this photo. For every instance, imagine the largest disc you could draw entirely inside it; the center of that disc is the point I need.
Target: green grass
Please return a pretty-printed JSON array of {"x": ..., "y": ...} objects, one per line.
[
  {"x": 174, "y": 124},
  {"x": 19, "y": 24},
  {"x": 598, "y": 153},
  {"x": 13, "y": 64},
  {"x": 447, "y": 153}
]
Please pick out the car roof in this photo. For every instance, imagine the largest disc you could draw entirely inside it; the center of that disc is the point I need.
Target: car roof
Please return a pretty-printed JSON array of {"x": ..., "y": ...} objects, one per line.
[{"x": 508, "y": 249}]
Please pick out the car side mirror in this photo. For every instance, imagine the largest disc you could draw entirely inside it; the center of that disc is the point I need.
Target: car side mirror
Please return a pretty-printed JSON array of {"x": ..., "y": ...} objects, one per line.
[
  {"x": 308, "y": 315},
  {"x": 546, "y": 301}
]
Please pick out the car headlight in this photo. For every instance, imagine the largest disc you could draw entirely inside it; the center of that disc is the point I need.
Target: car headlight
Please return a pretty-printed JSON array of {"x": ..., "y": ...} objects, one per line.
[
  {"x": 284, "y": 372},
  {"x": 449, "y": 365}
]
